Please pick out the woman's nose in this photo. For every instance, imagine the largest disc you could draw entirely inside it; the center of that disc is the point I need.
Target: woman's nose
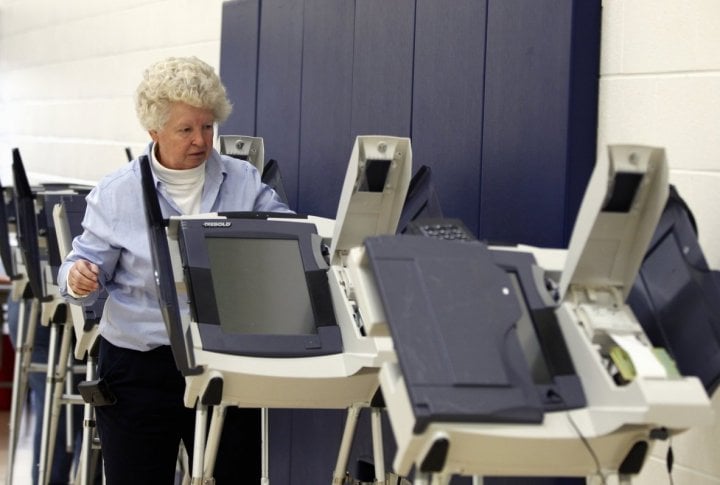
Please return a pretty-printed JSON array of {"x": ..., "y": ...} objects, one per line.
[{"x": 198, "y": 138}]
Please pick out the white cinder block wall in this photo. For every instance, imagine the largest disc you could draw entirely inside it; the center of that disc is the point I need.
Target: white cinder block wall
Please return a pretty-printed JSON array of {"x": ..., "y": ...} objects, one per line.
[
  {"x": 660, "y": 86},
  {"x": 68, "y": 71}
]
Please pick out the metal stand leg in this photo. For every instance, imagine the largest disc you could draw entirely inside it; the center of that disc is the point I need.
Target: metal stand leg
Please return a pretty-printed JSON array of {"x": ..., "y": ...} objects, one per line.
[
  {"x": 213, "y": 442},
  {"x": 46, "y": 453},
  {"x": 345, "y": 444},
  {"x": 86, "y": 451},
  {"x": 201, "y": 416},
  {"x": 18, "y": 395},
  {"x": 422, "y": 478},
  {"x": 264, "y": 436},
  {"x": 72, "y": 398},
  {"x": 23, "y": 366},
  {"x": 59, "y": 379},
  {"x": 378, "y": 454},
  {"x": 184, "y": 465},
  {"x": 205, "y": 446}
]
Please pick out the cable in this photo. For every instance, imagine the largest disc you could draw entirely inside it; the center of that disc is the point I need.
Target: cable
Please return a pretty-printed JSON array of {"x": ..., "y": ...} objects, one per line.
[{"x": 588, "y": 448}]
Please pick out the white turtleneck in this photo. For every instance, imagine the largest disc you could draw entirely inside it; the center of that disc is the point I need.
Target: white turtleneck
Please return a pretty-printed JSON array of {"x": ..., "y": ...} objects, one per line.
[{"x": 184, "y": 186}]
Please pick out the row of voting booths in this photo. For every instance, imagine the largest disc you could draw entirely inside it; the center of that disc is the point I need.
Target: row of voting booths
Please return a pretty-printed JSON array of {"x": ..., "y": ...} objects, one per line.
[
  {"x": 471, "y": 359},
  {"x": 484, "y": 361},
  {"x": 37, "y": 224}
]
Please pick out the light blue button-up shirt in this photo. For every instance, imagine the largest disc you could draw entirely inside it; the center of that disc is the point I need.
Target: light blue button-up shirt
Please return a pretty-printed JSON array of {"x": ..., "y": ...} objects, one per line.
[{"x": 115, "y": 238}]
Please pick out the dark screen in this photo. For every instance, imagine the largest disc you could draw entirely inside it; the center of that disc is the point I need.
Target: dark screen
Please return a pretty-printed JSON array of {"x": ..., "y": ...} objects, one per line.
[
  {"x": 260, "y": 286},
  {"x": 528, "y": 337}
]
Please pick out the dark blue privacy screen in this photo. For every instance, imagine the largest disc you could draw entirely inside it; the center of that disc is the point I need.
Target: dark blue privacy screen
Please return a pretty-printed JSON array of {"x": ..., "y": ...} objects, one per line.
[{"x": 474, "y": 340}]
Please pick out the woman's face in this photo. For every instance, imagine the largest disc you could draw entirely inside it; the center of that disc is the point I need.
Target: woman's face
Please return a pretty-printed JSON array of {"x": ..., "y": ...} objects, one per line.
[{"x": 186, "y": 139}]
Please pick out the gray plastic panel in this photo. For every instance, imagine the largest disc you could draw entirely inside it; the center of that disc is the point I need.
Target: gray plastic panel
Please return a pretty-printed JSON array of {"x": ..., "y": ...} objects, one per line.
[{"x": 451, "y": 310}]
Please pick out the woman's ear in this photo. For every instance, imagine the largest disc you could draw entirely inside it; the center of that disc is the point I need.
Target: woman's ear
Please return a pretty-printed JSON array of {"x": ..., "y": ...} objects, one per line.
[{"x": 153, "y": 135}]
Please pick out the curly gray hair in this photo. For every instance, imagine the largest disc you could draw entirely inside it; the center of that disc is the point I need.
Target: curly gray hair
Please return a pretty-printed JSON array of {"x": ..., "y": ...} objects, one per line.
[{"x": 179, "y": 79}]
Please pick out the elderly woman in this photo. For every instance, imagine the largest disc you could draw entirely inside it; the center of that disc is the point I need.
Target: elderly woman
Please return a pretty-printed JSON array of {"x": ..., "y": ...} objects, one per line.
[{"x": 178, "y": 102}]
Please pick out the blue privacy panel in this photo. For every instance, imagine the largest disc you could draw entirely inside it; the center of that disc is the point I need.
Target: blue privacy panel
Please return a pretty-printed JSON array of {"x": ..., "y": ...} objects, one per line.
[
  {"x": 279, "y": 88},
  {"x": 529, "y": 79},
  {"x": 325, "y": 104},
  {"x": 304, "y": 445},
  {"x": 238, "y": 64},
  {"x": 524, "y": 144},
  {"x": 382, "y": 68},
  {"x": 448, "y": 100},
  {"x": 498, "y": 96},
  {"x": 582, "y": 107}
]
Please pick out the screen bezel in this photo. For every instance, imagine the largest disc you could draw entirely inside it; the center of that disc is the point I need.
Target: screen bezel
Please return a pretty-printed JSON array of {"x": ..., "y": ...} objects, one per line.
[
  {"x": 192, "y": 235},
  {"x": 562, "y": 388}
]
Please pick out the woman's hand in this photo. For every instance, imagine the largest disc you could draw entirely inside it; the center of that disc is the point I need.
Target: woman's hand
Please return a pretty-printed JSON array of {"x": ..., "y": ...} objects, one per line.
[{"x": 83, "y": 277}]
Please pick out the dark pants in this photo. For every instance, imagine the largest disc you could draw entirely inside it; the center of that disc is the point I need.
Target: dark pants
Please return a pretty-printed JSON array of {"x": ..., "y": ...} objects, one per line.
[{"x": 141, "y": 432}]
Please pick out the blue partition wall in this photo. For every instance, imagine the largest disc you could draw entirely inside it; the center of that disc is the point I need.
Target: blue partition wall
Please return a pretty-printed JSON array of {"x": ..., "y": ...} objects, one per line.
[{"x": 499, "y": 98}]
